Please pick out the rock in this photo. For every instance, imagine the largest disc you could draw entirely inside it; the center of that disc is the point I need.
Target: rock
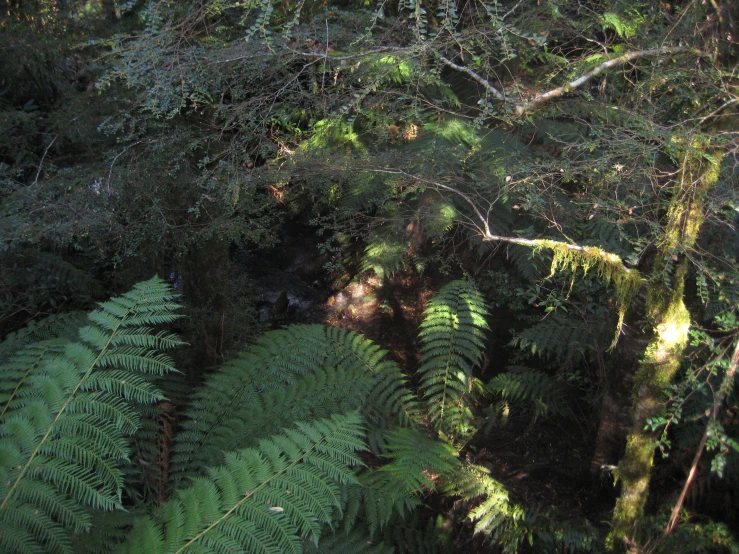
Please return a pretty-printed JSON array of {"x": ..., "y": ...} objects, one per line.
[
  {"x": 339, "y": 299},
  {"x": 263, "y": 314},
  {"x": 281, "y": 305}
]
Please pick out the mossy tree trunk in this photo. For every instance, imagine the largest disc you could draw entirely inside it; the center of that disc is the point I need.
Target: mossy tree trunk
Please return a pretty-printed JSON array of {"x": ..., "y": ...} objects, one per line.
[{"x": 667, "y": 312}]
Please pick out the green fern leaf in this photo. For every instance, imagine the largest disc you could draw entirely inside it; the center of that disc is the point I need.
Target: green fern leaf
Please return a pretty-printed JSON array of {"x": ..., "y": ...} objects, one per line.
[
  {"x": 417, "y": 535},
  {"x": 531, "y": 388},
  {"x": 383, "y": 256},
  {"x": 261, "y": 500},
  {"x": 63, "y": 434},
  {"x": 300, "y": 373},
  {"x": 63, "y": 326},
  {"x": 452, "y": 338},
  {"x": 396, "y": 487},
  {"x": 559, "y": 338},
  {"x": 356, "y": 541},
  {"x": 488, "y": 499}
]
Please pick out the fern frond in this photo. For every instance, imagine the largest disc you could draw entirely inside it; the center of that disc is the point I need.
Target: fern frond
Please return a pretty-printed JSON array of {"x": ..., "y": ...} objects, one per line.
[
  {"x": 15, "y": 372},
  {"x": 491, "y": 509},
  {"x": 532, "y": 265},
  {"x": 396, "y": 487},
  {"x": 383, "y": 256},
  {"x": 24, "y": 350},
  {"x": 63, "y": 436},
  {"x": 531, "y": 388},
  {"x": 415, "y": 535},
  {"x": 452, "y": 337},
  {"x": 263, "y": 499},
  {"x": 557, "y": 338},
  {"x": 300, "y": 373},
  {"x": 57, "y": 326},
  {"x": 356, "y": 541}
]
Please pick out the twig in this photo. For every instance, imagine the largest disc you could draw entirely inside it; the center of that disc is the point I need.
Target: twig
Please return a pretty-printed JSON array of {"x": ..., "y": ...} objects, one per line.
[
  {"x": 115, "y": 158},
  {"x": 717, "y": 110},
  {"x": 572, "y": 85},
  {"x": 513, "y": 9},
  {"x": 38, "y": 171},
  {"x": 490, "y": 88},
  {"x": 718, "y": 400},
  {"x": 350, "y": 56}
]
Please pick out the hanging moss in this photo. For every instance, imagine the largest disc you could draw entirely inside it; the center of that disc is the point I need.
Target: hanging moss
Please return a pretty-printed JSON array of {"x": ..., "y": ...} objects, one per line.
[{"x": 608, "y": 267}]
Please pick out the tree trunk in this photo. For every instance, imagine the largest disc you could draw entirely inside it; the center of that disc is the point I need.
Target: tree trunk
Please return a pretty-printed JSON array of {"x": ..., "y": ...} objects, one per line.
[{"x": 666, "y": 310}]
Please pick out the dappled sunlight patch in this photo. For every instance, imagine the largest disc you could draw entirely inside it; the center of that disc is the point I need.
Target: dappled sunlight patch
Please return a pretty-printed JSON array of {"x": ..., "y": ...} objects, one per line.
[
  {"x": 398, "y": 70},
  {"x": 454, "y": 130},
  {"x": 336, "y": 135}
]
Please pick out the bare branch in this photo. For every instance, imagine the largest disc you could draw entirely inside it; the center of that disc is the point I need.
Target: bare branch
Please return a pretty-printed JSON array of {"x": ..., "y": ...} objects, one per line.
[
  {"x": 525, "y": 107},
  {"x": 572, "y": 85},
  {"x": 490, "y": 88},
  {"x": 326, "y": 54},
  {"x": 41, "y": 163}
]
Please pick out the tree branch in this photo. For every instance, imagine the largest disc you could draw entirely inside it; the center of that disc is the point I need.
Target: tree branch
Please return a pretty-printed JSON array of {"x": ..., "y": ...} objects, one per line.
[
  {"x": 572, "y": 85},
  {"x": 527, "y": 106},
  {"x": 613, "y": 260},
  {"x": 490, "y": 88}
]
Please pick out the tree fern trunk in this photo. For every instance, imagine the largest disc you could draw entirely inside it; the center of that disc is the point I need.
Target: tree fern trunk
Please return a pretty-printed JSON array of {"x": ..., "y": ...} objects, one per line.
[{"x": 666, "y": 310}]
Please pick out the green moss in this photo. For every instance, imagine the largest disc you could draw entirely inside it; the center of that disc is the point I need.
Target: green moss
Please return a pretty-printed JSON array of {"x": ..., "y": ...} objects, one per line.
[
  {"x": 608, "y": 267},
  {"x": 671, "y": 319},
  {"x": 633, "y": 471},
  {"x": 700, "y": 171}
]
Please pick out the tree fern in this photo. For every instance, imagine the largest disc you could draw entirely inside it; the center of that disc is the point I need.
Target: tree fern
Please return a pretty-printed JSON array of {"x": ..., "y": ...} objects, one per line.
[
  {"x": 384, "y": 255},
  {"x": 417, "y": 535},
  {"x": 558, "y": 338},
  {"x": 533, "y": 266},
  {"x": 63, "y": 434},
  {"x": 261, "y": 500},
  {"x": 296, "y": 374},
  {"x": 452, "y": 338},
  {"x": 356, "y": 541},
  {"x": 27, "y": 349}
]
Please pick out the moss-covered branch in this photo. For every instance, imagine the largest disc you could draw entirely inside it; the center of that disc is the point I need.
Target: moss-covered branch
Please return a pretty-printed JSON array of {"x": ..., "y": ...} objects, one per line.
[
  {"x": 609, "y": 267},
  {"x": 671, "y": 320}
]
